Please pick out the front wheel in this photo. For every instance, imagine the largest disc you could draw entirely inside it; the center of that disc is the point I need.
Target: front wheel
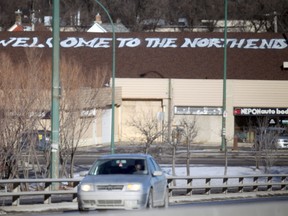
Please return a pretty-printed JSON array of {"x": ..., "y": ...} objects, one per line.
[
  {"x": 150, "y": 199},
  {"x": 80, "y": 209}
]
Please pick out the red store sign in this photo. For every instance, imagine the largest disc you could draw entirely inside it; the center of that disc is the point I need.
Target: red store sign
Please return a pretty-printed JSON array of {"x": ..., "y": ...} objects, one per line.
[{"x": 261, "y": 111}]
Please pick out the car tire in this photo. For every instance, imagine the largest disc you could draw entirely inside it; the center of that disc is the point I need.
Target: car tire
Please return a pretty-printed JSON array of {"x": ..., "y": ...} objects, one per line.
[
  {"x": 150, "y": 199},
  {"x": 80, "y": 209}
]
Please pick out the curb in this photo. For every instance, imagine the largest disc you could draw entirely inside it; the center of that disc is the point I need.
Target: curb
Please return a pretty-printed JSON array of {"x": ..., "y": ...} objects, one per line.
[
  {"x": 219, "y": 197},
  {"x": 63, "y": 206}
]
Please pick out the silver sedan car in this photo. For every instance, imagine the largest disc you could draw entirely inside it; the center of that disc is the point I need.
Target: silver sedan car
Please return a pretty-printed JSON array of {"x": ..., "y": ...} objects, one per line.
[{"x": 123, "y": 181}]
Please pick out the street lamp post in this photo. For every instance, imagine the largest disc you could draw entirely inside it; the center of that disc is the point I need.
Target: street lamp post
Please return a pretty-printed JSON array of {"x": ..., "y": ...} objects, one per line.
[
  {"x": 224, "y": 112},
  {"x": 55, "y": 91},
  {"x": 112, "y": 146}
]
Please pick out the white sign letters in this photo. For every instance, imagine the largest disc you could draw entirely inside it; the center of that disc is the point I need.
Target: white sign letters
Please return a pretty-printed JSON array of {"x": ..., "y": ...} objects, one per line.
[{"x": 103, "y": 42}]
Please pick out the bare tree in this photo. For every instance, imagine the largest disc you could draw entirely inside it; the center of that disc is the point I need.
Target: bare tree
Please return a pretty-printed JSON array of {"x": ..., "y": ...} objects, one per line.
[
  {"x": 196, "y": 11},
  {"x": 144, "y": 15},
  {"x": 80, "y": 105},
  {"x": 185, "y": 133},
  {"x": 262, "y": 14},
  {"x": 138, "y": 15},
  {"x": 26, "y": 106},
  {"x": 265, "y": 143},
  {"x": 21, "y": 108},
  {"x": 174, "y": 143},
  {"x": 189, "y": 132},
  {"x": 148, "y": 128}
]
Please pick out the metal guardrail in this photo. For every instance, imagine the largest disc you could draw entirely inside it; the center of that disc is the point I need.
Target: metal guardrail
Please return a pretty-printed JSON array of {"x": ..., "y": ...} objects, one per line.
[
  {"x": 16, "y": 189},
  {"x": 188, "y": 185},
  {"x": 46, "y": 188}
]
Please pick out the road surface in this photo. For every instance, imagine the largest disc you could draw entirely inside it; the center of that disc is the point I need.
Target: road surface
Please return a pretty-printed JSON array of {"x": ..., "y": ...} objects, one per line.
[{"x": 275, "y": 206}]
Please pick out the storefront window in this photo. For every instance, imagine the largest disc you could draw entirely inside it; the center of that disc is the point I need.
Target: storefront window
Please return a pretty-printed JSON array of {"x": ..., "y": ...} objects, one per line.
[{"x": 247, "y": 121}]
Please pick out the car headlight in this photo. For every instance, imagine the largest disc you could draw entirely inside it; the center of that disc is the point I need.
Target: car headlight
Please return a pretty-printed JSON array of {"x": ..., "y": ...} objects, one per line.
[
  {"x": 134, "y": 187},
  {"x": 86, "y": 187}
]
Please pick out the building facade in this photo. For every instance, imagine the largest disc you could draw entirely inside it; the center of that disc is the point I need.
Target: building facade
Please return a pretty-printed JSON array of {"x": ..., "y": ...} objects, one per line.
[{"x": 174, "y": 75}]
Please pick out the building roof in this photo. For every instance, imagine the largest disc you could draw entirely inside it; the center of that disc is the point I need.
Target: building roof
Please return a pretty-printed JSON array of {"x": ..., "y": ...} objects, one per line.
[
  {"x": 105, "y": 27},
  {"x": 118, "y": 27},
  {"x": 16, "y": 28},
  {"x": 96, "y": 27},
  {"x": 164, "y": 55}
]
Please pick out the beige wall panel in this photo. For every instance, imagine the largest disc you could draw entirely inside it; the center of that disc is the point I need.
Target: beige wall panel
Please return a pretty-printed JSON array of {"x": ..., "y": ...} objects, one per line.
[
  {"x": 93, "y": 135},
  {"x": 143, "y": 88},
  {"x": 137, "y": 110},
  {"x": 256, "y": 93},
  {"x": 86, "y": 138},
  {"x": 209, "y": 128},
  {"x": 197, "y": 92}
]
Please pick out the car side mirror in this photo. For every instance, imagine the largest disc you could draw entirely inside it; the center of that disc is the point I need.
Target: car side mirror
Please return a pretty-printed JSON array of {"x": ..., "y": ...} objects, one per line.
[{"x": 157, "y": 173}]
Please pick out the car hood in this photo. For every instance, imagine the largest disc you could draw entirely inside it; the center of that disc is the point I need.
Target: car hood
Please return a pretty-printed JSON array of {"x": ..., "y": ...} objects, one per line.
[{"x": 115, "y": 179}]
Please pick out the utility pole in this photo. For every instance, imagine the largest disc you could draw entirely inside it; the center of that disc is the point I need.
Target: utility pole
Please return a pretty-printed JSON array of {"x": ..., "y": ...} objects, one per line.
[
  {"x": 275, "y": 22},
  {"x": 169, "y": 110},
  {"x": 54, "y": 170},
  {"x": 224, "y": 112},
  {"x": 112, "y": 145}
]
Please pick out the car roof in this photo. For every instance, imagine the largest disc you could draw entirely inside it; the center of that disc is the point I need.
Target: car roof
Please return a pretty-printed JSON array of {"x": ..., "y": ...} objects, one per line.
[{"x": 113, "y": 156}]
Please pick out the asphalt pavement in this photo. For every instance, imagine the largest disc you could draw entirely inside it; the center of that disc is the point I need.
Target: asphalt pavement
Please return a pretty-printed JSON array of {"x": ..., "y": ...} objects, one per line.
[{"x": 72, "y": 206}]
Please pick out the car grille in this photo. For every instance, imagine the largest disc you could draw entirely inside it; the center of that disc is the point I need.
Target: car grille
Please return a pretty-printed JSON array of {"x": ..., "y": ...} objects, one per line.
[
  {"x": 110, "y": 187},
  {"x": 110, "y": 203}
]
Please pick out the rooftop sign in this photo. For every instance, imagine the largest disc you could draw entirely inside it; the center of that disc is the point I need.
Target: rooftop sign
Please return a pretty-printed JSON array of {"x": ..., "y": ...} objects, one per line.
[{"x": 148, "y": 42}]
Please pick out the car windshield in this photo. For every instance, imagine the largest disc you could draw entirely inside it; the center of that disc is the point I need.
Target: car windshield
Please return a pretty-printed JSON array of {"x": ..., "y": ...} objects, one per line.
[{"x": 119, "y": 166}]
